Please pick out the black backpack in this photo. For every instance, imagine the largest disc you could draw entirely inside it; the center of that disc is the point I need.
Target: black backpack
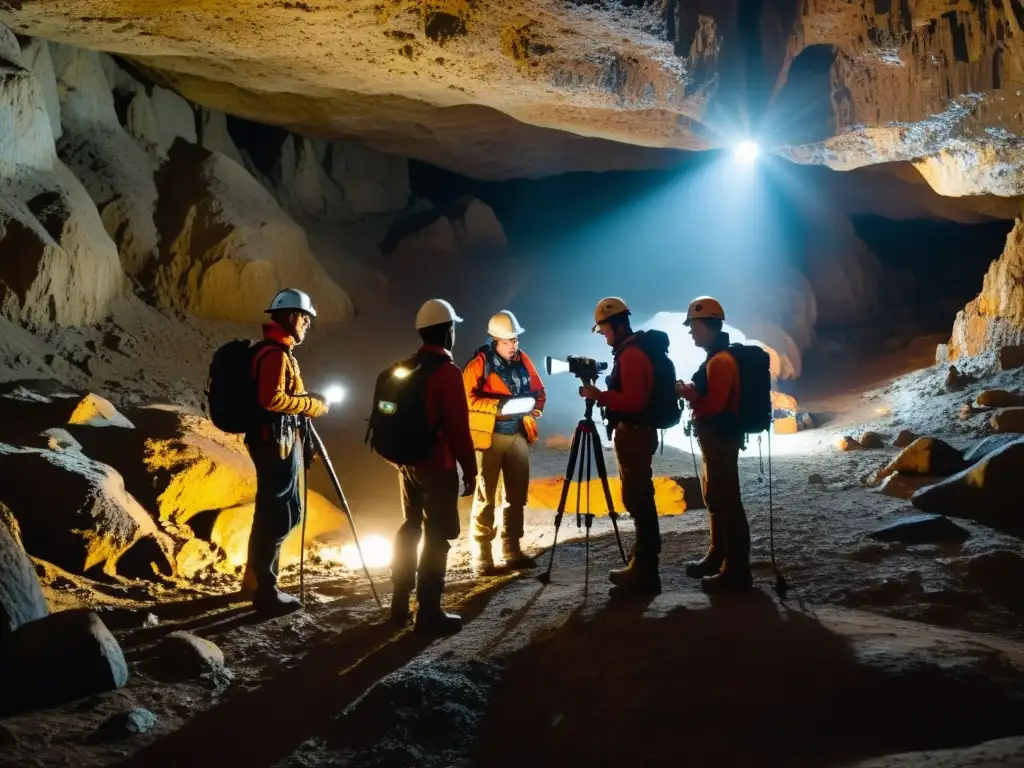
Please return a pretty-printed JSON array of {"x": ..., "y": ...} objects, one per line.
[
  {"x": 755, "y": 408},
  {"x": 399, "y": 430},
  {"x": 663, "y": 412},
  {"x": 232, "y": 400}
]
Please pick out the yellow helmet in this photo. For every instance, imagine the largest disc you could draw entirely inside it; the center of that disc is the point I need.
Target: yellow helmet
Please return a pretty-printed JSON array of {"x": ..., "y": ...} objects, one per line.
[
  {"x": 608, "y": 308},
  {"x": 704, "y": 308}
]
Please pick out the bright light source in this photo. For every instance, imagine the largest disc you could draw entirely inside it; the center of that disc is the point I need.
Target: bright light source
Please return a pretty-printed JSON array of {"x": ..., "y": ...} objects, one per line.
[
  {"x": 746, "y": 151},
  {"x": 518, "y": 406},
  {"x": 376, "y": 550},
  {"x": 401, "y": 373},
  {"x": 334, "y": 394}
]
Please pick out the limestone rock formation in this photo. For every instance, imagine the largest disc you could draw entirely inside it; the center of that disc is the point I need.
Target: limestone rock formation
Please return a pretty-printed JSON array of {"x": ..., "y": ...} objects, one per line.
[
  {"x": 65, "y": 656},
  {"x": 67, "y": 271},
  {"x": 987, "y": 492},
  {"x": 925, "y": 457},
  {"x": 512, "y": 89},
  {"x": 226, "y": 247},
  {"x": 996, "y": 316},
  {"x": 21, "y": 598},
  {"x": 75, "y": 512}
]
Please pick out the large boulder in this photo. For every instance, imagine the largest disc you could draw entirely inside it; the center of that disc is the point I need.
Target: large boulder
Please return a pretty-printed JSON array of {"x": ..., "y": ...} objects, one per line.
[
  {"x": 67, "y": 269},
  {"x": 21, "y": 597},
  {"x": 65, "y": 656},
  {"x": 988, "y": 492},
  {"x": 477, "y": 229},
  {"x": 925, "y": 457},
  {"x": 226, "y": 246},
  {"x": 75, "y": 512},
  {"x": 996, "y": 316},
  {"x": 111, "y": 164}
]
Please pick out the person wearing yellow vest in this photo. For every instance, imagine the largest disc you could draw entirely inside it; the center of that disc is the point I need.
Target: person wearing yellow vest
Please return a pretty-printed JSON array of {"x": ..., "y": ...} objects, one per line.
[{"x": 506, "y": 397}]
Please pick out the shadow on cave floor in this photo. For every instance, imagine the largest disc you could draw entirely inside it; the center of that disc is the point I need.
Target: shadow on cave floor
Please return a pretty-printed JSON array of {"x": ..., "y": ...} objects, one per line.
[{"x": 730, "y": 681}]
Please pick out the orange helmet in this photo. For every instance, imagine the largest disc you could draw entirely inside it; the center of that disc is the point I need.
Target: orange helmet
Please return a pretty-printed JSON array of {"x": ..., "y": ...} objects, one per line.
[{"x": 704, "y": 308}]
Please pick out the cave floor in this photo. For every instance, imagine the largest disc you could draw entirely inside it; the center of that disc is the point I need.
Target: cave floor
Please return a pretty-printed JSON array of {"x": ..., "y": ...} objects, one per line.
[{"x": 561, "y": 663}]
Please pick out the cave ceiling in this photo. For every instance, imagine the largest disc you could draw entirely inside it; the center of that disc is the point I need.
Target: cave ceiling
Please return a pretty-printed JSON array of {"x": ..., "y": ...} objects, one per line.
[{"x": 497, "y": 89}]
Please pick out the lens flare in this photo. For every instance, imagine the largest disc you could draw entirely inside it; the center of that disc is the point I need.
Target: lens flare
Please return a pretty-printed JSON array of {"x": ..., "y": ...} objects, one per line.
[
  {"x": 376, "y": 550},
  {"x": 334, "y": 394},
  {"x": 746, "y": 151}
]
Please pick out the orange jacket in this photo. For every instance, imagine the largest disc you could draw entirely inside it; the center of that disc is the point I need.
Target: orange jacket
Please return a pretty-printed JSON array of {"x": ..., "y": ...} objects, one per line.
[
  {"x": 486, "y": 396},
  {"x": 723, "y": 388},
  {"x": 279, "y": 384}
]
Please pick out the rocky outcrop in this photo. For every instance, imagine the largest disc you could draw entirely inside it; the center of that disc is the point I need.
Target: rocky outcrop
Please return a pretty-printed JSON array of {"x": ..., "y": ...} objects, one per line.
[
  {"x": 67, "y": 270},
  {"x": 987, "y": 492},
  {"x": 498, "y": 89},
  {"x": 996, "y": 316},
  {"x": 21, "y": 597},
  {"x": 226, "y": 247}
]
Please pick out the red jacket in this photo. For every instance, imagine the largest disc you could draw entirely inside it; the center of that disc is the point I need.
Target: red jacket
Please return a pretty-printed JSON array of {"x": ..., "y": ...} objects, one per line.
[
  {"x": 447, "y": 406},
  {"x": 636, "y": 382}
]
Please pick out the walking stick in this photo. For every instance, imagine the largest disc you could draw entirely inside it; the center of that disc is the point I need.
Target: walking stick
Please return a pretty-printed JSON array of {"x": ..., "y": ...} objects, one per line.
[{"x": 318, "y": 447}]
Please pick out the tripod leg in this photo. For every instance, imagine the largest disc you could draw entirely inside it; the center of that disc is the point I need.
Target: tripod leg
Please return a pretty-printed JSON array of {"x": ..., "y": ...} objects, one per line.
[
  {"x": 573, "y": 453},
  {"x": 319, "y": 445},
  {"x": 589, "y": 517},
  {"x": 602, "y": 472}
]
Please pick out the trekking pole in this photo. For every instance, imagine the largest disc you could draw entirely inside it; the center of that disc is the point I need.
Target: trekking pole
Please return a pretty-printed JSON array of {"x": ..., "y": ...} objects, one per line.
[
  {"x": 302, "y": 533},
  {"x": 781, "y": 587},
  {"x": 318, "y": 446}
]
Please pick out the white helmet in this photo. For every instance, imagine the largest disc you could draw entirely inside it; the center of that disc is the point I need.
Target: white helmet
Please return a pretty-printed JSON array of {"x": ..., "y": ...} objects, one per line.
[
  {"x": 435, "y": 312},
  {"x": 292, "y": 298},
  {"x": 504, "y": 326}
]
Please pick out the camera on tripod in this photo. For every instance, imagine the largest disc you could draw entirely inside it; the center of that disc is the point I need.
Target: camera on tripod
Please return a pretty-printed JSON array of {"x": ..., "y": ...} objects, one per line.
[{"x": 584, "y": 368}]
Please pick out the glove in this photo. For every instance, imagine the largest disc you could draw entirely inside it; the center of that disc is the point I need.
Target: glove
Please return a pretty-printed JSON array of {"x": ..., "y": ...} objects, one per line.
[
  {"x": 317, "y": 406},
  {"x": 536, "y": 414},
  {"x": 686, "y": 391},
  {"x": 589, "y": 391}
]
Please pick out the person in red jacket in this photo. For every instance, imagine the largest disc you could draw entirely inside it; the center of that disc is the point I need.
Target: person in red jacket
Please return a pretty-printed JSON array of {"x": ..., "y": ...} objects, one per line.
[
  {"x": 276, "y": 445},
  {"x": 430, "y": 489},
  {"x": 629, "y": 392},
  {"x": 500, "y": 378},
  {"x": 714, "y": 398}
]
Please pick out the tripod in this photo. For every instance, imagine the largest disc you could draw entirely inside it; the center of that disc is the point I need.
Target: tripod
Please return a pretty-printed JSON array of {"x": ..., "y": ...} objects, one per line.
[
  {"x": 586, "y": 438},
  {"x": 318, "y": 448}
]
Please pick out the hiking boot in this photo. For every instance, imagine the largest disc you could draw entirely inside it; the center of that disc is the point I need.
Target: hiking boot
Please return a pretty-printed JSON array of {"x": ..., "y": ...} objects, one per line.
[
  {"x": 728, "y": 580},
  {"x": 638, "y": 578},
  {"x": 276, "y": 603},
  {"x": 708, "y": 566},
  {"x": 430, "y": 617},
  {"x": 483, "y": 562},
  {"x": 400, "y": 607},
  {"x": 438, "y": 622},
  {"x": 514, "y": 556}
]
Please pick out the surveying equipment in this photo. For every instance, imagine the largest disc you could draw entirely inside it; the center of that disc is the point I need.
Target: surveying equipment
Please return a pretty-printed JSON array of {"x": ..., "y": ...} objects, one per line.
[
  {"x": 316, "y": 448},
  {"x": 585, "y": 440}
]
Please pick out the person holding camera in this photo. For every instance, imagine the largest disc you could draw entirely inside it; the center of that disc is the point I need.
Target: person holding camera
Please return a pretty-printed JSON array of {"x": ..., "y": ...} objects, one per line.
[
  {"x": 276, "y": 445},
  {"x": 506, "y": 397},
  {"x": 631, "y": 386},
  {"x": 714, "y": 397}
]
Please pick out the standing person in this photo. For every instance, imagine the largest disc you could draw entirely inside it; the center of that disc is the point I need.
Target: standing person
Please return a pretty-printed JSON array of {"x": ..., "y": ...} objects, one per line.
[
  {"x": 276, "y": 445},
  {"x": 498, "y": 379},
  {"x": 631, "y": 393},
  {"x": 714, "y": 397},
  {"x": 430, "y": 486}
]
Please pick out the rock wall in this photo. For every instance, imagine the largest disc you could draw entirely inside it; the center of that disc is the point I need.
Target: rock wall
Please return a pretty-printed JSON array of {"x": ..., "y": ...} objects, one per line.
[
  {"x": 109, "y": 181},
  {"x": 58, "y": 265},
  {"x": 996, "y": 316}
]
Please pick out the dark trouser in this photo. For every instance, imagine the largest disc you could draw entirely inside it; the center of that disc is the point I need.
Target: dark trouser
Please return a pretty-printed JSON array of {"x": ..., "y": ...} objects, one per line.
[
  {"x": 278, "y": 508},
  {"x": 720, "y": 483},
  {"x": 634, "y": 452},
  {"x": 430, "y": 502},
  {"x": 507, "y": 460}
]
